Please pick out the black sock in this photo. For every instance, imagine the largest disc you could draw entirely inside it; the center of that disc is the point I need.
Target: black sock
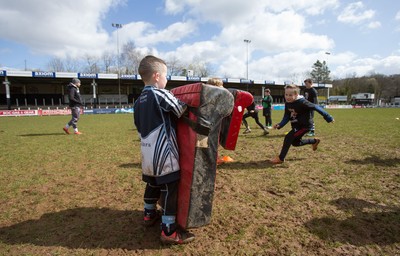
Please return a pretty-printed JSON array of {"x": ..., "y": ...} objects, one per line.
[{"x": 151, "y": 212}]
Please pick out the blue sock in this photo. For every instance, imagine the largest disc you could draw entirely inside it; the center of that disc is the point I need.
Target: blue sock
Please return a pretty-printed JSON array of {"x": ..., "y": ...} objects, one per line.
[
  {"x": 149, "y": 206},
  {"x": 168, "y": 224}
]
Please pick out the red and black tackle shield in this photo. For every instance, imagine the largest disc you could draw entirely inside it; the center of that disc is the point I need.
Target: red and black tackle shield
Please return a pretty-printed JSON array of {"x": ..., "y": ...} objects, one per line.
[
  {"x": 230, "y": 127},
  {"x": 198, "y": 134}
]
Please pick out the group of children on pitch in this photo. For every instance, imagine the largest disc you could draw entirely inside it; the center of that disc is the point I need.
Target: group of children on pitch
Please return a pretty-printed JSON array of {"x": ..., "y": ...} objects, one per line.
[{"x": 155, "y": 113}]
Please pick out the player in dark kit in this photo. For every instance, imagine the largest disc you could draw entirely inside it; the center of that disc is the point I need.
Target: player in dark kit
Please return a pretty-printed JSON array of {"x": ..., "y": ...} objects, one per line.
[
  {"x": 297, "y": 111},
  {"x": 253, "y": 112},
  {"x": 311, "y": 94}
]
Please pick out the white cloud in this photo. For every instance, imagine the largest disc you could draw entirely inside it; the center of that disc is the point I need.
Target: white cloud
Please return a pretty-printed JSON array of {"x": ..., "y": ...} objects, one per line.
[
  {"x": 146, "y": 35},
  {"x": 206, "y": 51},
  {"x": 171, "y": 34},
  {"x": 173, "y": 7},
  {"x": 282, "y": 47},
  {"x": 57, "y": 28},
  {"x": 374, "y": 25},
  {"x": 286, "y": 37},
  {"x": 354, "y": 13},
  {"x": 397, "y": 17},
  {"x": 310, "y": 7},
  {"x": 226, "y": 12},
  {"x": 270, "y": 33},
  {"x": 366, "y": 66}
]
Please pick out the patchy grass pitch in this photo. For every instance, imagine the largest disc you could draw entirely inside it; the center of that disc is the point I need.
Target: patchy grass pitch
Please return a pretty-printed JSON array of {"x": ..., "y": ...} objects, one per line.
[{"x": 82, "y": 195}]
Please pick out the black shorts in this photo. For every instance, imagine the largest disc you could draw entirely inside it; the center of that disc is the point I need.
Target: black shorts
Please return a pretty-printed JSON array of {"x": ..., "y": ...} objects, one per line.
[{"x": 266, "y": 111}]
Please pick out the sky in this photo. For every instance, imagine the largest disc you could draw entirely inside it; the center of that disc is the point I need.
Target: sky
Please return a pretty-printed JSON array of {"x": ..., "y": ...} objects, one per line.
[{"x": 285, "y": 37}]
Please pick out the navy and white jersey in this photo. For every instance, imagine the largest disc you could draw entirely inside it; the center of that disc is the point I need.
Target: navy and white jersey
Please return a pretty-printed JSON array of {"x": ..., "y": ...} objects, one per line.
[
  {"x": 155, "y": 114},
  {"x": 298, "y": 113}
]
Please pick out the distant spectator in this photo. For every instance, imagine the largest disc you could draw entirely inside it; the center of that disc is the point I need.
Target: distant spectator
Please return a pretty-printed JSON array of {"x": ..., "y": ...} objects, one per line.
[
  {"x": 267, "y": 108},
  {"x": 311, "y": 94},
  {"x": 75, "y": 103}
]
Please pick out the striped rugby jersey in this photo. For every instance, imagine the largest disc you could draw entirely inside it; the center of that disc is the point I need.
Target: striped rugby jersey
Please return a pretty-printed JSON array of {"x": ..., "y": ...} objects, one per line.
[{"x": 155, "y": 114}]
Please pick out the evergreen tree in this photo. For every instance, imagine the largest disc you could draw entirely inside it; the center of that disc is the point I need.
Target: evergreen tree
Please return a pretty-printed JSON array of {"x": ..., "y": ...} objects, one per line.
[{"x": 320, "y": 72}]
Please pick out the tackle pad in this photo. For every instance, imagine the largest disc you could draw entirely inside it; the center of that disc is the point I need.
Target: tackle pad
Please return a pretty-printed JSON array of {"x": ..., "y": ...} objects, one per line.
[
  {"x": 230, "y": 127},
  {"x": 198, "y": 132}
]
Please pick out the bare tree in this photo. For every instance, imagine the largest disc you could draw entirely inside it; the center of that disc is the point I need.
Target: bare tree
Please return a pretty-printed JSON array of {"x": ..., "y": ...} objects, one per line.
[
  {"x": 56, "y": 65},
  {"x": 200, "y": 68},
  {"x": 92, "y": 65},
  {"x": 131, "y": 57},
  {"x": 109, "y": 60},
  {"x": 299, "y": 77},
  {"x": 71, "y": 65},
  {"x": 175, "y": 66},
  {"x": 204, "y": 69}
]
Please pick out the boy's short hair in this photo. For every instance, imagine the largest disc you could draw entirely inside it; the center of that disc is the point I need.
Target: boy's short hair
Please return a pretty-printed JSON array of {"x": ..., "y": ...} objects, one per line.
[
  {"x": 294, "y": 87},
  {"x": 216, "y": 81},
  {"x": 308, "y": 80},
  {"x": 148, "y": 65},
  {"x": 267, "y": 90}
]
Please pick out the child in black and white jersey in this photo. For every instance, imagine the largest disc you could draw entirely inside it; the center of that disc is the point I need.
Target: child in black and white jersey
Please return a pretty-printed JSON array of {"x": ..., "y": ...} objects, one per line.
[{"x": 155, "y": 112}]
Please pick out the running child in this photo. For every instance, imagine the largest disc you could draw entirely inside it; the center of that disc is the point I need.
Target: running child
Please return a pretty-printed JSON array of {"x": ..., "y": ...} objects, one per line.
[{"x": 297, "y": 111}]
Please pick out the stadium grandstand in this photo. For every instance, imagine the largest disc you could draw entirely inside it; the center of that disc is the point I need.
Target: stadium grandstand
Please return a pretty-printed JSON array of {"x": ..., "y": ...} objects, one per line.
[{"x": 41, "y": 89}]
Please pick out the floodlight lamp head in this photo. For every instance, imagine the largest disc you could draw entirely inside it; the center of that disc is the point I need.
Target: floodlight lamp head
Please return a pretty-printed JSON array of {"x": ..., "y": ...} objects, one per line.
[{"x": 116, "y": 25}]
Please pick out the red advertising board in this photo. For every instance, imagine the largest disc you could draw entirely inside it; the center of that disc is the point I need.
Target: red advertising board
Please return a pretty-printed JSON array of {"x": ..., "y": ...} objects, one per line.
[
  {"x": 54, "y": 112},
  {"x": 18, "y": 112}
]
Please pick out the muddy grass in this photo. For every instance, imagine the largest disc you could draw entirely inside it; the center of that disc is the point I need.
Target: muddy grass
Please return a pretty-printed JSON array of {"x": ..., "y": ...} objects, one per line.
[{"x": 342, "y": 199}]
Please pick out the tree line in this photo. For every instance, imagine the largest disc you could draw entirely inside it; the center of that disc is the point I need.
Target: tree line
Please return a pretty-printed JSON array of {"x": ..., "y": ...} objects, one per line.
[
  {"x": 127, "y": 62},
  {"x": 384, "y": 87}
]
